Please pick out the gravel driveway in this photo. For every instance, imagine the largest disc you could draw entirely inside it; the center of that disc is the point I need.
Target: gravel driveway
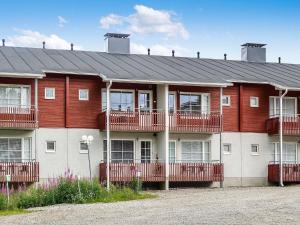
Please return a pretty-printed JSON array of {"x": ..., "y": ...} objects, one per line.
[{"x": 268, "y": 205}]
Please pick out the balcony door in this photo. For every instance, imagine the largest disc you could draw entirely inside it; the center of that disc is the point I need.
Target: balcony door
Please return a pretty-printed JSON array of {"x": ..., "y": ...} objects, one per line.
[
  {"x": 145, "y": 108},
  {"x": 146, "y": 146}
]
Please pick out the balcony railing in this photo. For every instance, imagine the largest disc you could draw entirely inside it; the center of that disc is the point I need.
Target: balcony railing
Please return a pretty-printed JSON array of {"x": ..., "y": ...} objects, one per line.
[
  {"x": 290, "y": 172},
  {"x": 151, "y": 121},
  {"x": 181, "y": 121},
  {"x": 18, "y": 117},
  {"x": 27, "y": 172},
  {"x": 290, "y": 125},
  {"x": 155, "y": 172}
]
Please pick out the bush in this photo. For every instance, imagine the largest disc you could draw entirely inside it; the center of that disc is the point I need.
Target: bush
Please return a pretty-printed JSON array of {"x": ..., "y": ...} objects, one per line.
[
  {"x": 3, "y": 201},
  {"x": 136, "y": 185}
]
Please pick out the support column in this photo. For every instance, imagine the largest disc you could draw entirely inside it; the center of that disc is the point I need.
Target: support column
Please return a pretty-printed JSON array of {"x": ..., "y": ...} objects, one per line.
[
  {"x": 108, "y": 85},
  {"x": 221, "y": 129},
  {"x": 36, "y": 102},
  {"x": 166, "y": 134}
]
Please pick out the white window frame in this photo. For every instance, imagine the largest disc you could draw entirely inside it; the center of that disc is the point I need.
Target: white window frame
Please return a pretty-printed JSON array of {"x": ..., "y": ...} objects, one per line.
[
  {"x": 203, "y": 150},
  {"x": 151, "y": 148},
  {"x": 20, "y": 86},
  {"x": 175, "y": 153},
  {"x": 276, "y": 159},
  {"x": 230, "y": 149},
  {"x": 256, "y": 99},
  {"x": 122, "y": 139},
  {"x": 229, "y": 100},
  {"x": 103, "y": 92},
  {"x": 49, "y": 97},
  {"x": 82, "y": 151},
  {"x": 175, "y": 101},
  {"x": 83, "y": 99},
  {"x": 50, "y": 151},
  {"x": 257, "y": 146},
  {"x": 203, "y": 109},
  {"x": 273, "y": 98},
  {"x": 151, "y": 98},
  {"x": 22, "y": 147}
]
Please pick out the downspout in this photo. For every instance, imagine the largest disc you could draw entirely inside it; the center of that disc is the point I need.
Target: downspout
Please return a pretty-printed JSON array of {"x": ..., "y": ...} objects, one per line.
[
  {"x": 280, "y": 135},
  {"x": 221, "y": 129},
  {"x": 108, "y": 86}
]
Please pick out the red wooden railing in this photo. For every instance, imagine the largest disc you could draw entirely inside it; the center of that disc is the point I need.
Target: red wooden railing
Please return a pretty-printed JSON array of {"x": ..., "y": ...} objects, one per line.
[
  {"x": 290, "y": 172},
  {"x": 153, "y": 121},
  {"x": 195, "y": 122},
  {"x": 27, "y": 172},
  {"x": 155, "y": 172},
  {"x": 18, "y": 117},
  {"x": 290, "y": 125}
]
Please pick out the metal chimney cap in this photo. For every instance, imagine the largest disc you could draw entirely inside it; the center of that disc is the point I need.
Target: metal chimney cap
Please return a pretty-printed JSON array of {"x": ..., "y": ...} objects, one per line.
[
  {"x": 253, "y": 45},
  {"x": 116, "y": 35}
]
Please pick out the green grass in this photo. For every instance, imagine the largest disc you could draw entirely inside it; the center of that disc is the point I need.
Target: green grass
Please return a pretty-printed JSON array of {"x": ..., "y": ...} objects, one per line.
[{"x": 13, "y": 212}]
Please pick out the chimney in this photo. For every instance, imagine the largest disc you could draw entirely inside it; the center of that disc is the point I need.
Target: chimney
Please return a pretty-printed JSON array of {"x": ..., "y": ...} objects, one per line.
[
  {"x": 117, "y": 43},
  {"x": 253, "y": 52}
]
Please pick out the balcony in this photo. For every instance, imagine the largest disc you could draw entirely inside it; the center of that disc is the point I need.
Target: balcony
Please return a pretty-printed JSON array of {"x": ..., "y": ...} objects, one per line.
[
  {"x": 195, "y": 122},
  {"x": 155, "y": 172},
  {"x": 18, "y": 118},
  {"x": 138, "y": 121},
  {"x": 290, "y": 125},
  {"x": 27, "y": 172},
  {"x": 290, "y": 172}
]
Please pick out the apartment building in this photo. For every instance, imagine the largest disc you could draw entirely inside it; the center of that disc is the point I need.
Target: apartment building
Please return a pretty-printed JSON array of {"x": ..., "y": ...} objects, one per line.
[{"x": 165, "y": 119}]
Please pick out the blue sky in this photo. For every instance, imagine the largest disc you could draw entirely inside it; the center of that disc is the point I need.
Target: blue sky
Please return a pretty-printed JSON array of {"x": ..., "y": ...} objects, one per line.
[{"x": 213, "y": 27}]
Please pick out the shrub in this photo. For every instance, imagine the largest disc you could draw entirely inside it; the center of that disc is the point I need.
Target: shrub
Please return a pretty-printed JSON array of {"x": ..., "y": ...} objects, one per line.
[
  {"x": 136, "y": 184},
  {"x": 3, "y": 202}
]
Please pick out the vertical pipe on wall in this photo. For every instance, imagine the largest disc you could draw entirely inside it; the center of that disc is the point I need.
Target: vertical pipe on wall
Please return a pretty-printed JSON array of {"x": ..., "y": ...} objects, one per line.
[
  {"x": 166, "y": 110},
  {"x": 281, "y": 135},
  {"x": 221, "y": 129},
  {"x": 108, "y": 86}
]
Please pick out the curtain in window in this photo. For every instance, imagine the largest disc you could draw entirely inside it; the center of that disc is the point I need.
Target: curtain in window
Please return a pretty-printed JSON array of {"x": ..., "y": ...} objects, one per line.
[
  {"x": 288, "y": 106},
  {"x": 14, "y": 96},
  {"x": 195, "y": 151},
  {"x": 289, "y": 154},
  {"x": 11, "y": 150}
]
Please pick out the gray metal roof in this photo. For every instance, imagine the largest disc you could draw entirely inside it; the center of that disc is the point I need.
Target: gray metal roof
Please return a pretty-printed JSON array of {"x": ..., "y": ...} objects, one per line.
[{"x": 19, "y": 61}]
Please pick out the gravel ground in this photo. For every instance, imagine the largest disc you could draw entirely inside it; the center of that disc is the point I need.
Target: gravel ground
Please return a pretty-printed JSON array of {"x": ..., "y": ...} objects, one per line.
[{"x": 267, "y": 205}]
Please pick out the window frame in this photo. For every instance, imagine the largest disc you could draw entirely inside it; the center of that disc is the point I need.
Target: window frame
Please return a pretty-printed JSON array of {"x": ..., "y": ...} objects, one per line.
[
  {"x": 22, "y": 149},
  {"x": 121, "y": 139},
  {"x": 257, "y": 100},
  {"x": 230, "y": 149},
  {"x": 229, "y": 100},
  {"x": 277, "y": 155},
  {"x": 175, "y": 151},
  {"x": 103, "y": 91},
  {"x": 203, "y": 111},
  {"x": 273, "y": 98},
  {"x": 50, "y": 151},
  {"x": 257, "y": 147},
  {"x": 21, "y": 86},
  {"x": 175, "y": 101},
  {"x": 151, "y": 100},
  {"x": 151, "y": 149},
  {"x": 203, "y": 151},
  {"x": 84, "y": 99},
  {"x": 82, "y": 151},
  {"x": 45, "y": 93}
]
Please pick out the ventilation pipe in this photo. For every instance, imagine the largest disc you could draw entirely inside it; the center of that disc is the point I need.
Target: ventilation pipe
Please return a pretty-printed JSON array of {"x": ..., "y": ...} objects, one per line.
[
  {"x": 72, "y": 45},
  {"x": 225, "y": 56},
  {"x": 279, "y": 60},
  {"x": 173, "y": 53},
  {"x": 148, "y": 51},
  {"x": 44, "y": 45},
  {"x": 3, "y": 42},
  {"x": 198, "y": 55}
]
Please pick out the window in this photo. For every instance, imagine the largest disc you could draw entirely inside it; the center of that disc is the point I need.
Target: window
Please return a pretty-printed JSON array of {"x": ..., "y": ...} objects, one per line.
[
  {"x": 50, "y": 146},
  {"x": 172, "y": 102},
  {"x": 120, "y": 100},
  {"x": 172, "y": 151},
  {"x": 84, "y": 149},
  {"x": 191, "y": 103},
  {"x": 226, "y": 101},
  {"x": 16, "y": 96},
  {"x": 195, "y": 151},
  {"x": 289, "y": 106},
  {"x": 145, "y": 101},
  {"x": 254, "y": 149},
  {"x": 254, "y": 101},
  {"x": 83, "y": 94},
  {"x": 145, "y": 151},
  {"x": 15, "y": 149},
  {"x": 289, "y": 152},
  {"x": 227, "y": 148},
  {"x": 121, "y": 151},
  {"x": 49, "y": 93}
]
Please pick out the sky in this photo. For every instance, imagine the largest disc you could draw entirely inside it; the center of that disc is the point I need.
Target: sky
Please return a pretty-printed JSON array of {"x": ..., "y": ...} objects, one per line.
[{"x": 212, "y": 27}]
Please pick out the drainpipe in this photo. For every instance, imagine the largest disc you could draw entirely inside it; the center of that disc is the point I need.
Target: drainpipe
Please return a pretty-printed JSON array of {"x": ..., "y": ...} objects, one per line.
[
  {"x": 280, "y": 135},
  {"x": 221, "y": 128},
  {"x": 108, "y": 86}
]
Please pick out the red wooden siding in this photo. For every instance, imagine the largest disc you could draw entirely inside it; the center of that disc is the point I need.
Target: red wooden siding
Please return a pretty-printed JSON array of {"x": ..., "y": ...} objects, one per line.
[
  {"x": 155, "y": 172},
  {"x": 290, "y": 172},
  {"x": 231, "y": 113},
  {"x": 27, "y": 172}
]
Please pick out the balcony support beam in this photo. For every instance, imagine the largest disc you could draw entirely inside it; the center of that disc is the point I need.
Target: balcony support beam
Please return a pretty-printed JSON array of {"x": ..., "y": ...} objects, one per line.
[{"x": 281, "y": 96}]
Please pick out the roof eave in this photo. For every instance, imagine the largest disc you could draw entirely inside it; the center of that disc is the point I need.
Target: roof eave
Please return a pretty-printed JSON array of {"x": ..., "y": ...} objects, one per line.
[{"x": 21, "y": 75}]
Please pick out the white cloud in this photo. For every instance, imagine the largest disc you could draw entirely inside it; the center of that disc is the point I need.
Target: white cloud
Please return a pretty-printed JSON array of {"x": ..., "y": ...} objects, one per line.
[
  {"x": 158, "y": 49},
  {"x": 31, "y": 38},
  {"x": 147, "y": 20},
  {"x": 61, "y": 21}
]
